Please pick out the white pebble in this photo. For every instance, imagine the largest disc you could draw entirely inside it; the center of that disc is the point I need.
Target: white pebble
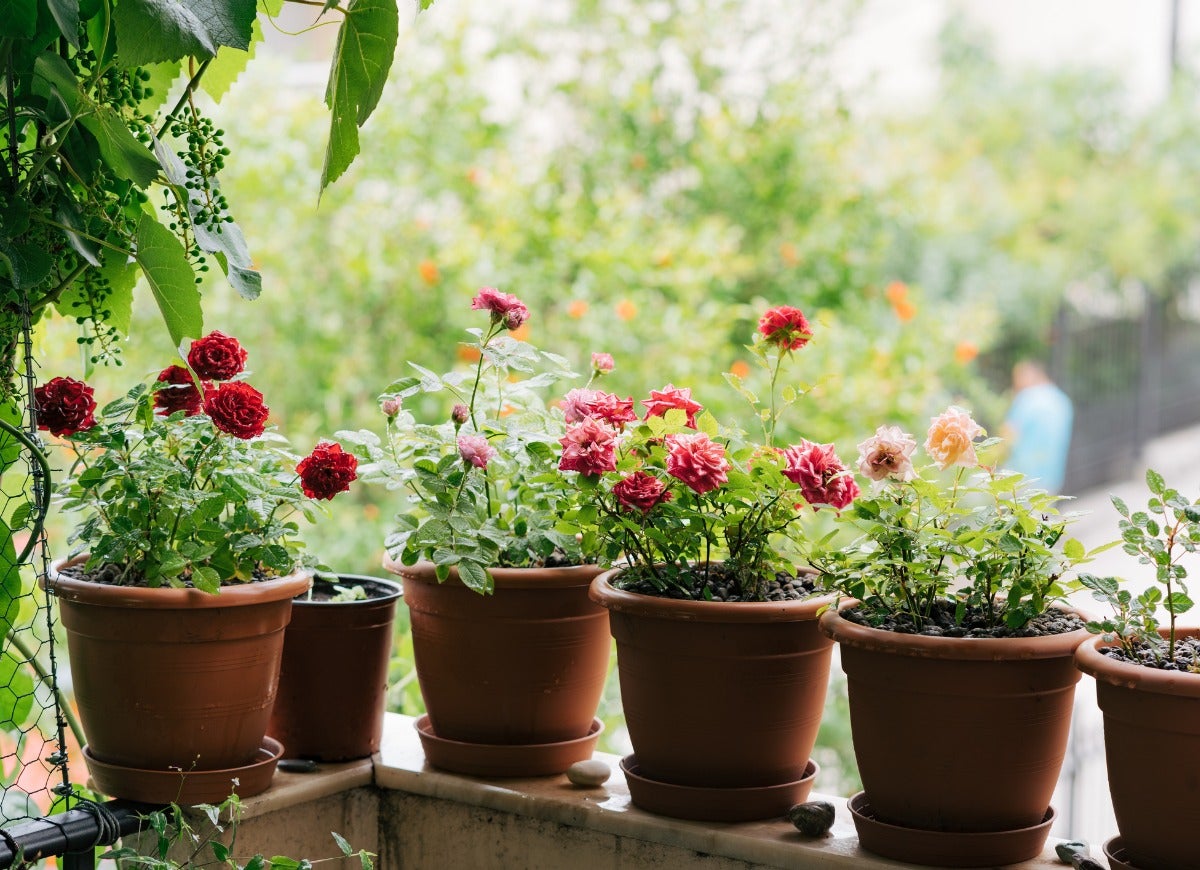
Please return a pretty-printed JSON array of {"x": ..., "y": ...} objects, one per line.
[{"x": 590, "y": 773}]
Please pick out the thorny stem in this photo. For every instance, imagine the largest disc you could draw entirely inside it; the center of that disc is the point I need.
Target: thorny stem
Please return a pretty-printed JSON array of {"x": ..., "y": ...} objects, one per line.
[{"x": 770, "y": 433}]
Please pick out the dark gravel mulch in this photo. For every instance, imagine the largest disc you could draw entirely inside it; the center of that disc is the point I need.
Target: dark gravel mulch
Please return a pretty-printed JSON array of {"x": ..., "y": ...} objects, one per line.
[
  {"x": 973, "y": 624},
  {"x": 722, "y": 587},
  {"x": 1187, "y": 655}
]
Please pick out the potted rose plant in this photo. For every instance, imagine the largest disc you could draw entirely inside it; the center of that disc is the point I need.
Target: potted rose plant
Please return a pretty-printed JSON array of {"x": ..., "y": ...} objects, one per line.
[
  {"x": 957, "y": 653},
  {"x": 723, "y": 671},
  {"x": 511, "y": 655},
  {"x": 1148, "y": 685},
  {"x": 187, "y": 563}
]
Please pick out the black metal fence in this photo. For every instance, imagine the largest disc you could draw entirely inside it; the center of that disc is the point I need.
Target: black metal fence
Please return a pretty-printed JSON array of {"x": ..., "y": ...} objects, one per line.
[{"x": 1130, "y": 361}]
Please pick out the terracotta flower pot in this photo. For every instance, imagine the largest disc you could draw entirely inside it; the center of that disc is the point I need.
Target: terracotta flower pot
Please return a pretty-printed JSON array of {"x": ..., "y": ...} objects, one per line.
[
  {"x": 1152, "y": 743},
  {"x": 175, "y": 678},
  {"x": 333, "y": 680},
  {"x": 719, "y": 694},
  {"x": 957, "y": 734},
  {"x": 525, "y": 665}
]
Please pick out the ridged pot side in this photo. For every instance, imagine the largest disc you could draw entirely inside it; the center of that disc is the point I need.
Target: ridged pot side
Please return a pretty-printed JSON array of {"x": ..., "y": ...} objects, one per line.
[
  {"x": 524, "y": 665},
  {"x": 957, "y": 734},
  {"x": 175, "y": 678},
  {"x": 1152, "y": 744},
  {"x": 716, "y": 694},
  {"x": 333, "y": 679}
]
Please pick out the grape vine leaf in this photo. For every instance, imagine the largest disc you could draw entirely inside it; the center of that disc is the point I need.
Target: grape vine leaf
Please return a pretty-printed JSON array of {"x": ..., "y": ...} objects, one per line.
[
  {"x": 170, "y": 277},
  {"x": 66, "y": 16},
  {"x": 365, "y": 48},
  {"x": 18, "y": 18},
  {"x": 149, "y": 31}
]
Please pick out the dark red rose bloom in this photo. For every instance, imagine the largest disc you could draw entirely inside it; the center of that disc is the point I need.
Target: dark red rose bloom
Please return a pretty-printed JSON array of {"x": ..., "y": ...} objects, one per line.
[
  {"x": 786, "y": 327},
  {"x": 217, "y": 357},
  {"x": 237, "y": 408},
  {"x": 181, "y": 395},
  {"x": 64, "y": 406},
  {"x": 641, "y": 491},
  {"x": 327, "y": 471}
]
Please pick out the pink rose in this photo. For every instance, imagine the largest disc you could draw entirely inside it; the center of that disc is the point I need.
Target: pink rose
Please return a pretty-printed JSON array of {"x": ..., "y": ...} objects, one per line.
[
  {"x": 641, "y": 491},
  {"x": 669, "y": 397},
  {"x": 475, "y": 450},
  {"x": 887, "y": 453},
  {"x": 816, "y": 469},
  {"x": 460, "y": 414},
  {"x": 390, "y": 407},
  {"x": 785, "y": 327},
  {"x": 951, "y": 438},
  {"x": 603, "y": 363},
  {"x": 589, "y": 447},
  {"x": 504, "y": 307},
  {"x": 697, "y": 460},
  {"x": 575, "y": 404}
]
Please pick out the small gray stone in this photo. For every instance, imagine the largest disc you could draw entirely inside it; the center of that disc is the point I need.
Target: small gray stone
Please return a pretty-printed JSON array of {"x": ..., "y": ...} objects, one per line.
[
  {"x": 1067, "y": 851},
  {"x": 589, "y": 774},
  {"x": 812, "y": 819}
]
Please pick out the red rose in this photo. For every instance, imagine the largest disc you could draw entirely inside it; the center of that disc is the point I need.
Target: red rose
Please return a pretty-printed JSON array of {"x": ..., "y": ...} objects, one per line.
[
  {"x": 697, "y": 460},
  {"x": 237, "y": 408},
  {"x": 181, "y": 395},
  {"x": 669, "y": 397},
  {"x": 217, "y": 357},
  {"x": 610, "y": 408},
  {"x": 504, "y": 307},
  {"x": 641, "y": 491},
  {"x": 327, "y": 471},
  {"x": 589, "y": 447},
  {"x": 785, "y": 327},
  {"x": 64, "y": 406},
  {"x": 816, "y": 469}
]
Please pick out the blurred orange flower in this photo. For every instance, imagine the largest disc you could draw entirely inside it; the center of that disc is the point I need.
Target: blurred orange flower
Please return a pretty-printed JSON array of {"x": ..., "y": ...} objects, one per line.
[
  {"x": 521, "y": 333},
  {"x": 507, "y": 410},
  {"x": 789, "y": 254},
  {"x": 662, "y": 259},
  {"x": 896, "y": 293},
  {"x": 638, "y": 161},
  {"x": 740, "y": 367},
  {"x": 469, "y": 354},
  {"x": 965, "y": 351},
  {"x": 577, "y": 309},
  {"x": 429, "y": 272},
  {"x": 474, "y": 175},
  {"x": 371, "y": 511},
  {"x": 626, "y": 310},
  {"x": 905, "y": 310}
]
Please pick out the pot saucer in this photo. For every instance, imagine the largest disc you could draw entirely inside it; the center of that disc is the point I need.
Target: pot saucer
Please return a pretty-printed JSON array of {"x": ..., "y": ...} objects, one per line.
[
  {"x": 185, "y": 788},
  {"x": 947, "y": 848},
  {"x": 1118, "y": 858},
  {"x": 714, "y": 804},
  {"x": 504, "y": 759}
]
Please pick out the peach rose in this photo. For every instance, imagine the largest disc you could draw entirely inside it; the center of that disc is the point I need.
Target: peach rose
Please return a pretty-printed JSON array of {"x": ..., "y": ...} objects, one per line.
[
  {"x": 887, "y": 453},
  {"x": 951, "y": 437}
]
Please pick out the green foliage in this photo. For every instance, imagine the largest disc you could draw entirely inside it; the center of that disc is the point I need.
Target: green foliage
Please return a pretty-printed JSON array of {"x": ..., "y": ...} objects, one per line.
[
  {"x": 986, "y": 542},
  {"x": 206, "y": 836},
  {"x": 467, "y": 509},
  {"x": 1159, "y": 536}
]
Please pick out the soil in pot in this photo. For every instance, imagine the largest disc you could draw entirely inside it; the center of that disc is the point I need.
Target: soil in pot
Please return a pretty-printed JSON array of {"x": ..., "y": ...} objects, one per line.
[
  {"x": 719, "y": 694},
  {"x": 333, "y": 677},
  {"x": 958, "y": 734}
]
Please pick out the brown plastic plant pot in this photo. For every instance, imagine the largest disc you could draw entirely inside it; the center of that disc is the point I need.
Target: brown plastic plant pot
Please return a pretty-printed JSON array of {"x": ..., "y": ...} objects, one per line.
[
  {"x": 719, "y": 694},
  {"x": 957, "y": 734},
  {"x": 333, "y": 679},
  {"x": 175, "y": 678},
  {"x": 1152, "y": 744},
  {"x": 525, "y": 665}
]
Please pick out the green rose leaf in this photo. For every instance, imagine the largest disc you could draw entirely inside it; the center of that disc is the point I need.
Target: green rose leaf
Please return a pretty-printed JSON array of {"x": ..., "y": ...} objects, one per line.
[
  {"x": 170, "y": 277},
  {"x": 475, "y": 577},
  {"x": 365, "y": 48}
]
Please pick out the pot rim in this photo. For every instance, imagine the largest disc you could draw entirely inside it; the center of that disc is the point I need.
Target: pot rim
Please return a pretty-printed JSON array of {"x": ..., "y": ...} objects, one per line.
[
  {"x": 864, "y": 637},
  {"x": 635, "y": 603},
  {"x": 169, "y": 597},
  {"x": 505, "y": 578},
  {"x": 1094, "y": 663},
  {"x": 393, "y": 590}
]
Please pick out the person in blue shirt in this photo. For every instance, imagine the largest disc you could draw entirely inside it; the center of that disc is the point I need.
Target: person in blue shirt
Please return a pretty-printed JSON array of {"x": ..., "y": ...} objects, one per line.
[{"x": 1038, "y": 427}]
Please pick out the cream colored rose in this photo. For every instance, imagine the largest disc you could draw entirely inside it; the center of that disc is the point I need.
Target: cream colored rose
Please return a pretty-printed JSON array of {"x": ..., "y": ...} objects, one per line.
[
  {"x": 888, "y": 453},
  {"x": 951, "y": 438}
]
